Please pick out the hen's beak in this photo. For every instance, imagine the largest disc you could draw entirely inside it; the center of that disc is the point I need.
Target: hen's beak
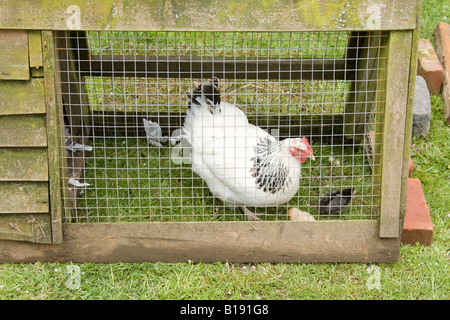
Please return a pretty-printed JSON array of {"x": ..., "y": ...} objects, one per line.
[{"x": 307, "y": 154}]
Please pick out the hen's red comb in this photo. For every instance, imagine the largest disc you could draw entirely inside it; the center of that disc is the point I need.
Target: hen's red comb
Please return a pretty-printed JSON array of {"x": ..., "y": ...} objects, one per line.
[{"x": 304, "y": 141}]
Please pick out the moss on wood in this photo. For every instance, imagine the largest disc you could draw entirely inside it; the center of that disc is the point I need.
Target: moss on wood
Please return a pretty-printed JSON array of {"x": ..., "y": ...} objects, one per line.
[
  {"x": 22, "y": 97},
  {"x": 209, "y": 15},
  {"x": 14, "y": 54},
  {"x": 23, "y": 131}
]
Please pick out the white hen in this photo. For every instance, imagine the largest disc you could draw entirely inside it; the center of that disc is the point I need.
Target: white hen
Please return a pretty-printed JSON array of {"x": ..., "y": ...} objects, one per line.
[{"x": 243, "y": 165}]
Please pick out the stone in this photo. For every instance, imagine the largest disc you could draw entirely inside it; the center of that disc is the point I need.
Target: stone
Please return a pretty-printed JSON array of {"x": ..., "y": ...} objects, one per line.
[
  {"x": 417, "y": 227},
  {"x": 429, "y": 66},
  {"x": 442, "y": 41},
  {"x": 299, "y": 215},
  {"x": 422, "y": 109}
]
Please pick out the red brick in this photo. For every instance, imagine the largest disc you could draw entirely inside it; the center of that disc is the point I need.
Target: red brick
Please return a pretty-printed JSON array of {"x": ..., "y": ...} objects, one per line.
[
  {"x": 442, "y": 41},
  {"x": 429, "y": 66},
  {"x": 418, "y": 226},
  {"x": 411, "y": 167}
]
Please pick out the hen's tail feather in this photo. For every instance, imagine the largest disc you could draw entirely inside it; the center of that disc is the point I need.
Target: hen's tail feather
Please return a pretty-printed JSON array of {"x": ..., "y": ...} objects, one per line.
[{"x": 209, "y": 90}]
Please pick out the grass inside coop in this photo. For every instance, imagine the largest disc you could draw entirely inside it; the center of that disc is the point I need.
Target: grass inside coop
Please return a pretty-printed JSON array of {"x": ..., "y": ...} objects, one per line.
[
  {"x": 220, "y": 44},
  {"x": 131, "y": 181},
  {"x": 169, "y": 95}
]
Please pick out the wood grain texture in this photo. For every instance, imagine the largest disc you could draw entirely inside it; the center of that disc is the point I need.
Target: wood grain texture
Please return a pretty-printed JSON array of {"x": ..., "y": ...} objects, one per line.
[
  {"x": 23, "y": 131},
  {"x": 397, "y": 84},
  {"x": 22, "y": 97},
  {"x": 14, "y": 63},
  {"x": 24, "y": 197},
  {"x": 282, "y": 241},
  {"x": 26, "y": 227},
  {"x": 54, "y": 136},
  {"x": 35, "y": 48},
  {"x": 208, "y": 15},
  {"x": 409, "y": 115},
  {"x": 23, "y": 164}
]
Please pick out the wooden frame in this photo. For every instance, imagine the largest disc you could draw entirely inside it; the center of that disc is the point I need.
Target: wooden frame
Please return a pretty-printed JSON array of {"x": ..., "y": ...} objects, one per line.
[
  {"x": 345, "y": 241},
  {"x": 182, "y": 15},
  {"x": 283, "y": 241}
]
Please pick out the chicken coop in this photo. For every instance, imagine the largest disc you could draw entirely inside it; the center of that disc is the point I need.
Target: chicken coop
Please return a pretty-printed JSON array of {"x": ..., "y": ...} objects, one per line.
[{"x": 94, "y": 96}]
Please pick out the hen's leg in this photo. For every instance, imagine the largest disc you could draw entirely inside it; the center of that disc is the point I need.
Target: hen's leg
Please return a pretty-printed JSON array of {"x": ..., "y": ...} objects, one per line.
[{"x": 250, "y": 215}]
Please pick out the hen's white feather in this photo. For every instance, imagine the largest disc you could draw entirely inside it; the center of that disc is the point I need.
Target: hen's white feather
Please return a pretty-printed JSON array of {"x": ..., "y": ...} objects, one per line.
[{"x": 223, "y": 148}]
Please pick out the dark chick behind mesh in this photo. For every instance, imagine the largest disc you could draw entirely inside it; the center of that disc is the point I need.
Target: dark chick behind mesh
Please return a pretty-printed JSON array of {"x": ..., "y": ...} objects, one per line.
[
  {"x": 336, "y": 201},
  {"x": 210, "y": 90}
]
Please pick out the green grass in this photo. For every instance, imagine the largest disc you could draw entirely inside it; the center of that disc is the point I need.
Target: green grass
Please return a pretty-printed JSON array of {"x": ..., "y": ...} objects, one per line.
[
  {"x": 132, "y": 181},
  {"x": 248, "y": 45},
  {"x": 433, "y": 11},
  {"x": 420, "y": 273},
  {"x": 168, "y": 95}
]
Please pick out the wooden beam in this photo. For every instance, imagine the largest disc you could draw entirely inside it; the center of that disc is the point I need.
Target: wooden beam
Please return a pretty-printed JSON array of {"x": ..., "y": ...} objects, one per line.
[
  {"x": 130, "y": 124},
  {"x": 72, "y": 87},
  {"x": 207, "y": 67},
  {"x": 282, "y": 241},
  {"x": 35, "y": 48},
  {"x": 54, "y": 141},
  {"x": 208, "y": 15},
  {"x": 366, "y": 85},
  {"x": 409, "y": 113},
  {"x": 397, "y": 96}
]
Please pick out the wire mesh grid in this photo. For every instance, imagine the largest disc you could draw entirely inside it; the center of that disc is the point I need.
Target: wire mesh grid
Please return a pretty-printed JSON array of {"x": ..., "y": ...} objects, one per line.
[{"x": 115, "y": 87}]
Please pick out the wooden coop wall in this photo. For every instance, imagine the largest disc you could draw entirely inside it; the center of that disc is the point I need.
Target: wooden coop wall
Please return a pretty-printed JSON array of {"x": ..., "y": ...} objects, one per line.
[
  {"x": 31, "y": 158},
  {"x": 24, "y": 162}
]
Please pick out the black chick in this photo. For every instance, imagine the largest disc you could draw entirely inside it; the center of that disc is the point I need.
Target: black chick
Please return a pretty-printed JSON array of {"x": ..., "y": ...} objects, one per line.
[
  {"x": 209, "y": 89},
  {"x": 336, "y": 200}
]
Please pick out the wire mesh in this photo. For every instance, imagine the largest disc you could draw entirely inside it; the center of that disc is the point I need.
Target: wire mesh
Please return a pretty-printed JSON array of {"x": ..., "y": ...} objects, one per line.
[{"x": 326, "y": 86}]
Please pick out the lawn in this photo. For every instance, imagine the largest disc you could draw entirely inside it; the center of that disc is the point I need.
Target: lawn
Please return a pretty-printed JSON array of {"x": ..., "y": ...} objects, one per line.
[{"x": 420, "y": 273}]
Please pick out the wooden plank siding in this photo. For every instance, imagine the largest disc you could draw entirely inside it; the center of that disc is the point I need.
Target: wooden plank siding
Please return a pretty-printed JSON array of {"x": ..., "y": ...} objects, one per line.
[
  {"x": 14, "y": 61},
  {"x": 23, "y": 130},
  {"x": 26, "y": 227},
  {"x": 216, "y": 15},
  {"x": 24, "y": 175},
  {"x": 22, "y": 97},
  {"x": 24, "y": 197}
]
